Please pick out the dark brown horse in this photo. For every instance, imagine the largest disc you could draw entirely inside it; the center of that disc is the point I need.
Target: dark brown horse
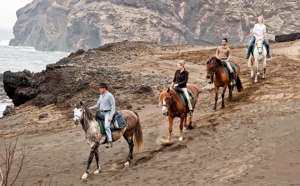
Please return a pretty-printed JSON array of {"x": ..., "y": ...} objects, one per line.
[
  {"x": 132, "y": 133},
  {"x": 215, "y": 69},
  {"x": 172, "y": 104}
]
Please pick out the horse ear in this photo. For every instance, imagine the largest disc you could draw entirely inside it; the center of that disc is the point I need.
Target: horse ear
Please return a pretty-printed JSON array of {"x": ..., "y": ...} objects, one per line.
[
  {"x": 81, "y": 103},
  {"x": 160, "y": 90},
  {"x": 168, "y": 90}
]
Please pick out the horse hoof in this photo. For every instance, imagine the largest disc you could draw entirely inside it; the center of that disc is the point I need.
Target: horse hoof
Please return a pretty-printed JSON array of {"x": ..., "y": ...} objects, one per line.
[
  {"x": 184, "y": 128},
  {"x": 84, "y": 176},
  {"x": 180, "y": 139},
  {"x": 97, "y": 171},
  {"x": 126, "y": 164}
]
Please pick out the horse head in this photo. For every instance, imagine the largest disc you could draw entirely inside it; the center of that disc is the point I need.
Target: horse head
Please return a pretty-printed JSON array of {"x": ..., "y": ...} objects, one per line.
[
  {"x": 165, "y": 99},
  {"x": 81, "y": 112},
  {"x": 259, "y": 44},
  {"x": 78, "y": 114},
  {"x": 212, "y": 66}
]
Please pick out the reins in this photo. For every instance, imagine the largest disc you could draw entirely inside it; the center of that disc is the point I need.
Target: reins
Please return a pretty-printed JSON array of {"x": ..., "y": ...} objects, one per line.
[{"x": 172, "y": 100}]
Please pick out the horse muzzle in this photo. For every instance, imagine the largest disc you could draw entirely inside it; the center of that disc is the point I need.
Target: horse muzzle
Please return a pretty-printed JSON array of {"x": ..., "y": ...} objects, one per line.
[
  {"x": 76, "y": 121},
  {"x": 209, "y": 79}
]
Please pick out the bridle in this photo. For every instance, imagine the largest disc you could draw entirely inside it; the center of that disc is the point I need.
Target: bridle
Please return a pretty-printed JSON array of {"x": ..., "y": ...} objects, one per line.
[
  {"x": 80, "y": 118},
  {"x": 259, "y": 47},
  {"x": 169, "y": 104},
  {"x": 215, "y": 69}
]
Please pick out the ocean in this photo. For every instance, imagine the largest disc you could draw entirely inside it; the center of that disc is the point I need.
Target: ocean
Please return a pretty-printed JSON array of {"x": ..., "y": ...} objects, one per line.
[{"x": 16, "y": 59}]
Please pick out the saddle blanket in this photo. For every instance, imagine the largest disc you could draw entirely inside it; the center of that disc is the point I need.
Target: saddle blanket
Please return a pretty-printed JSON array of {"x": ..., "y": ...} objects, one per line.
[
  {"x": 118, "y": 122},
  {"x": 181, "y": 94},
  {"x": 227, "y": 70}
]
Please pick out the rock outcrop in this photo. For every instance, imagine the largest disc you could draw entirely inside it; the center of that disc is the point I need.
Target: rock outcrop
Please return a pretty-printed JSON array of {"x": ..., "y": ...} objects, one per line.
[
  {"x": 68, "y": 25},
  {"x": 287, "y": 37},
  {"x": 77, "y": 77}
]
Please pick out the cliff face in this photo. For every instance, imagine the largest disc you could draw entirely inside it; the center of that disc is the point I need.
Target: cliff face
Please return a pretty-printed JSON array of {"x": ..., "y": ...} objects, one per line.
[{"x": 68, "y": 25}]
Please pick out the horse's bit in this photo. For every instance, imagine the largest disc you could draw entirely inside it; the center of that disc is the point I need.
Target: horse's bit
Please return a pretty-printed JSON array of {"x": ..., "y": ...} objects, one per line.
[
  {"x": 215, "y": 69},
  {"x": 168, "y": 105}
]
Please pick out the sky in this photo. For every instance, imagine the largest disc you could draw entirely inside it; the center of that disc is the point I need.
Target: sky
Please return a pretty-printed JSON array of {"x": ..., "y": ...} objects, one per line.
[{"x": 8, "y": 10}]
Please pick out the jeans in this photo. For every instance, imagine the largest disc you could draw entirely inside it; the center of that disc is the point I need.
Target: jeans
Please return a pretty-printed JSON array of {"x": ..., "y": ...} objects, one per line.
[
  {"x": 107, "y": 126},
  {"x": 250, "y": 45}
]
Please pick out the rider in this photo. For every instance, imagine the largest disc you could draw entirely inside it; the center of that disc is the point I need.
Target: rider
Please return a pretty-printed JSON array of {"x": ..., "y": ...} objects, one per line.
[
  {"x": 106, "y": 104},
  {"x": 223, "y": 53},
  {"x": 180, "y": 80},
  {"x": 259, "y": 30}
]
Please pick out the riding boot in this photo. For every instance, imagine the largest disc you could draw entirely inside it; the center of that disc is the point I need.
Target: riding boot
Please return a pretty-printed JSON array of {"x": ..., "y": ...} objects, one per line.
[
  {"x": 248, "y": 55},
  {"x": 191, "y": 113},
  {"x": 109, "y": 145},
  {"x": 232, "y": 77}
]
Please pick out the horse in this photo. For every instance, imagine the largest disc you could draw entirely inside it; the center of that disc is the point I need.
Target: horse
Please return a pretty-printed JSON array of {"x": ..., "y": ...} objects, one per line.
[
  {"x": 173, "y": 105},
  {"x": 215, "y": 69},
  {"x": 132, "y": 133},
  {"x": 259, "y": 54}
]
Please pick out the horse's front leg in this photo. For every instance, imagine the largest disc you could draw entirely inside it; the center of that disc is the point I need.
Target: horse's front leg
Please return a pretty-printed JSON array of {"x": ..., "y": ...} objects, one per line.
[
  {"x": 90, "y": 159},
  {"x": 216, "y": 97},
  {"x": 257, "y": 70},
  {"x": 230, "y": 88},
  {"x": 252, "y": 66},
  {"x": 184, "y": 122},
  {"x": 182, "y": 119},
  {"x": 96, "y": 152},
  {"x": 170, "y": 127},
  {"x": 265, "y": 69},
  {"x": 223, "y": 95}
]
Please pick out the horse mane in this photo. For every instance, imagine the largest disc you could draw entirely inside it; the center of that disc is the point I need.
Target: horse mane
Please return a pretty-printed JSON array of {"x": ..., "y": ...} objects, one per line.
[
  {"x": 217, "y": 60},
  {"x": 89, "y": 114}
]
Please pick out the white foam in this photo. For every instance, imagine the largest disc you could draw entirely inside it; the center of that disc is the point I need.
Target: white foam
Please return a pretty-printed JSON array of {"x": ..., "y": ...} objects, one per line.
[{"x": 4, "y": 43}]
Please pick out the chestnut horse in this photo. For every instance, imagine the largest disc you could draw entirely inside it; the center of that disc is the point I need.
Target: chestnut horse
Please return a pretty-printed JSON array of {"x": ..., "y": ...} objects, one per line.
[
  {"x": 132, "y": 133},
  {"x": 216, "y": 69},
  {"x": 172, "y": 104}
]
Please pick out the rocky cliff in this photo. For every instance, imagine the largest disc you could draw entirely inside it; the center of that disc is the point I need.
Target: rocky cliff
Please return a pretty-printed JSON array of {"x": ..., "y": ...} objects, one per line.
[
  {"x": 68, "y": 25},
  {"x": 77, "y": 77}
]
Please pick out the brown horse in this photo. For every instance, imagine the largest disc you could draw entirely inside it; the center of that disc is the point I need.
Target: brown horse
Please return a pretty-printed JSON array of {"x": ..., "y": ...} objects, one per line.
[
  {"x": 172, "y": 104},
  {"x": 132, "y": 133},
  {"x": 215, "y": 69}
]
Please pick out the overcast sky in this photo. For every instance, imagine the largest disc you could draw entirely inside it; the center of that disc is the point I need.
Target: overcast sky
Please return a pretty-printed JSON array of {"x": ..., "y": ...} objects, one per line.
[{"x": 8, "y": 10}]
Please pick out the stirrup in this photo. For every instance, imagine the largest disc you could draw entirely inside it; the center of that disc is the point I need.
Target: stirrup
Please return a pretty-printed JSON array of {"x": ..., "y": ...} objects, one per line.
[
  {"x": 191, "y": 113},
  {"x": 109, "y": 145},
  {"x": 233, "y": 82}
]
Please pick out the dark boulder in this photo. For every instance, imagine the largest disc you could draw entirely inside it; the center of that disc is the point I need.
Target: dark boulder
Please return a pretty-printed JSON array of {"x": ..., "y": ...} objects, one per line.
[
  {"x": 20, "y": 86},
  {"x": 287, "y": 37}
]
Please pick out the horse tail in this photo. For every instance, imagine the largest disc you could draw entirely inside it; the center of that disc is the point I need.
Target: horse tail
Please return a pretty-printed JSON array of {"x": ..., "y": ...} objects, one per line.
[
  {"x": 239, "y": 84},
  {"x": 138, "y": 134}
]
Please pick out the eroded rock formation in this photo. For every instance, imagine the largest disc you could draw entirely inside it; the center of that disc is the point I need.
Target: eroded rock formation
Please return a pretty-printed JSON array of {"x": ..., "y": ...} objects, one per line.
[{"x": 68, "y": 25}]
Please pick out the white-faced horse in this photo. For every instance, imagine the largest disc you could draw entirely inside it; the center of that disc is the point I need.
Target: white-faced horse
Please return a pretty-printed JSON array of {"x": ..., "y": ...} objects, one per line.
[
  {"x": 132, "y": 133},
  {"x": 259, "y": 53}
]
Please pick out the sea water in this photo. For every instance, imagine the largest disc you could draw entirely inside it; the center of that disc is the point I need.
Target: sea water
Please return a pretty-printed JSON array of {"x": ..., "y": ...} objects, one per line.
[{"x": 16, "y": 59}]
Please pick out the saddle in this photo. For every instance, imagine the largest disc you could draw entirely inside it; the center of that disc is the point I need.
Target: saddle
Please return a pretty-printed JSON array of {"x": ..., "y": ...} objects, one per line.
[
  {"x": 182, "y": 96},
  {"x": 118, "y": 122}
]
